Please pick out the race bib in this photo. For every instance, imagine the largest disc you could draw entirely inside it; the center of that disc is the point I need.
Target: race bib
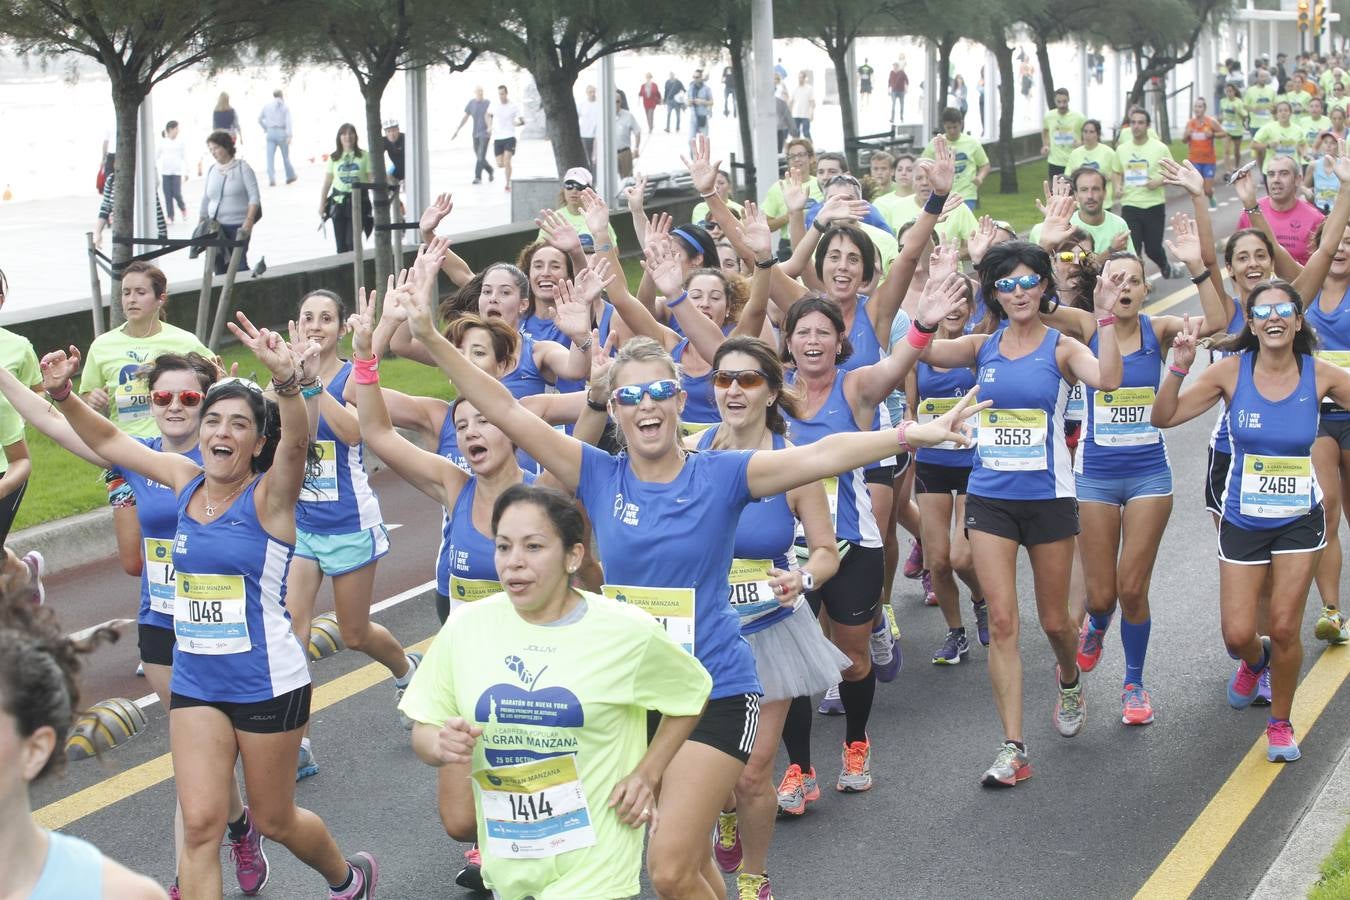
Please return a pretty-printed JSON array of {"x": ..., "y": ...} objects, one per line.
[
  {"x": 467, "y": 590},
  {"x": 1276, "y": 487},
  {"x": 132, "y": 400},
  {"x": 1136, "y": 172},
  {"x": 934, "y": 408},
  {"x": 1065, "y": 138},
  {"x": 1286, "y": 150},
  {"x": 672, "y": 607},
  {"x": 323, "y": 487},
  {"x": 752, "y": 594},
  {"x": 208, "y": 614},
  {"x": 1199, "y": 135},
  {"x": 159, "y": 575},
  {"x": 1013, "y": 440},
  {"x": 1325, "y": 196},
  {"x": 1336, "y": 358},
  {"x": 534, "y": 810},
  {"x": 1076, "y": 408},
  {"x": 1120, "y": 418}
]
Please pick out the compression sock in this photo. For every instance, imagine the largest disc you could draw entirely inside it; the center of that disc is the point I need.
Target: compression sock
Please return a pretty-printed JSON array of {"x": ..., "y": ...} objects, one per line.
[
  {"x": 797, "y": 732},
  {"x": 1100, "y": 623},
  {"x": 240, "y": 828},
  {"x": 857, "y": 699},
  {"x": 1134, "y": 638}
]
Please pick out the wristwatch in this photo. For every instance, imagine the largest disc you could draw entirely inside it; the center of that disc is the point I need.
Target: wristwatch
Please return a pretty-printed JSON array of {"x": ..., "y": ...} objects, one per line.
[{"x": 808, "y": 581}]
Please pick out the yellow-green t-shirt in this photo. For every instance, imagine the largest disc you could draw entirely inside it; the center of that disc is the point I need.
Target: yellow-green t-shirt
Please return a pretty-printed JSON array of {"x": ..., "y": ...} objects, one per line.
[
  {"x": 1297, "y": 100},
  {"x": 1102, "y": 235},
  {"x": 700, "y": 212},
  {"x": 1103, "y": 159},
  {"x": 1337, "y": 103},
  {"x": 578, "y": 221},
  {"x": 16, "y": 354},
  {"x": 112, "y": 363},
  {"x": 970, "y": 158},
  {"x": 1232, "y": 113},
  {"x": 1066, "y": 130},
  {"x": 957, "y": 228},
  {"x": 774, "y": 205},
  {"x": 1312, "y": 128},
  {"x": 1260, "y": 101},
  {"x": 574, "y": 694},
  {"x": 1281, "y": 140},
  {"x": 1140, "y": 164},
  {"x": 348, "y": 168}
]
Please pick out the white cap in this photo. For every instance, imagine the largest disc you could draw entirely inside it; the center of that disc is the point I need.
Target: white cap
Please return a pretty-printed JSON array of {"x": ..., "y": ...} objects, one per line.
[
  {"x": 390, "y": 123},
  {"x": 579, "y": 175}
]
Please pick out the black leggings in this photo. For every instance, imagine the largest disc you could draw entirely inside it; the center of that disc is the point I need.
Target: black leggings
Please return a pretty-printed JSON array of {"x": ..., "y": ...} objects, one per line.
[
  {"x": 1147, "y": 226},
  {"x": 9, "y": 508}
]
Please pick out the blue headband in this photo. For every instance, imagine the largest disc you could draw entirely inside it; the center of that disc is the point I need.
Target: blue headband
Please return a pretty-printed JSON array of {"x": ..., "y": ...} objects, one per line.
[{"x": 694, "y": 245}]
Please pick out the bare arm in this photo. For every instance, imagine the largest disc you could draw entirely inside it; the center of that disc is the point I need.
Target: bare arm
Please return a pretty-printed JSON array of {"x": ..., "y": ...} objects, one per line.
[
  {"x": 1172, "y": 406},
  {"x": 812, "y": 508},
  {"x": 39, "y": 412},
  {"x": 20, "y": 467}
]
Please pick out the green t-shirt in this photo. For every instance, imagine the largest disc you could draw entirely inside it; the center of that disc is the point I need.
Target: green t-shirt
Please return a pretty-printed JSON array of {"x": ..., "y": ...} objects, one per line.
[
  {"x": 112, "y": 363},
  {"x": 1232, "y": 115},
  {"x": 1102, "y": 235},
  {"x": 348, "y": 168},
  {"x": 970, "y": 158},
  {"x": 575, "y": 695},
  {"x": 1066, "y": 131},
  {"x": 956, "y": 228},
  {"x": 1103, "y": 159},
  {"x": 1281, "y": 140},
  {"x": 1337, "y": 103},
  {"x": 1260, "y": 102},
  {"x": 578, "y": 221},
  {"x": 16, "y": 354},
  {"x": 1313, "y": 127},
  {"x": 1297, "y": 100},
  {"x": 1140, "y": 164},
  {"x": 700, "y": 212},
  {"x": 774, "y": 205}
]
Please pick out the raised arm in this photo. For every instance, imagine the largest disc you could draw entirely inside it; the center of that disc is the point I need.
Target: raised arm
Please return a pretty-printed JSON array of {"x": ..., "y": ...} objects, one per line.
[
  {"x": 455, "y": 268},
  {"x": 1187, "y": 245},
  {"x": 1104, "y": 370},
  {"x": 754, "y": 234},
  {"x": 1309, "y": 281},
  {"x": 1286, "y": 266},
  {"x": 1172, "y": 406},
  {"x": 636, "y": 316},
  {"x": 662, "y": 264},
  {"x": 39, "y": 412},
  {"x": 574, "y": 320},
  {"x": 563, "y": 236},
  {"x": 703, "y": 173}
]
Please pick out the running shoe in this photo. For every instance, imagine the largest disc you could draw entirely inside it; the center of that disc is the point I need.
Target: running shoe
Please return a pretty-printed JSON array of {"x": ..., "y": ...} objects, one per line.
[
  {"x": 306, "y": 765},
  {"x": 1070, "y": 707},
  {"x": 36, "y": 565},
  {"x": 414, "y": 660},
  {"x": 1280, "y": 741},
  {"x": 792, "y": 791},
  {"x": 471, "y": 876},
  {"x": 885, "y": 653},
  {"x": 365, "y": 875},
  {"x": 727, "y": 842},
  {"x": 250, "y": 862},
  {"x": 830, "y": 704},
  {"x": 1136, "y": 706},
  {"x": 890, "y": 620},
  {"x": 753, "y": 887},
  {"x": 981, "y": 621},
  {"x": 929, "y": 596},
  {"x": 810, "y": 787},
  {"x": 1089, "y": 646},
  {"x": 1331, "y": 626},
  {"x": 140, "y": 670},
  {"x": 914, "y": 565},
  {"x": 856, "y": 775},
  {"x": 174, "y": 893},
  {"x": 1011, "y": 765},
  {"x": 953, "y": 650},
  {"x": 1263, "y": 689},
  {"x": 1246, "y": 682}
]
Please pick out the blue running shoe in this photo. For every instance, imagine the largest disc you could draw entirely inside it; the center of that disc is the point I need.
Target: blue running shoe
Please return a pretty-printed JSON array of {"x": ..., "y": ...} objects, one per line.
[
  {"x": 1263, "y": 689},
  {"x": 1246, "y": 681},
  {"x": 306, "y": 765},
  {"x": 885, "y": 652},
  {"x": 830, "y": 704},
  {"x": 981, "y": 620},
  {"x": 1280, "y": 741}
]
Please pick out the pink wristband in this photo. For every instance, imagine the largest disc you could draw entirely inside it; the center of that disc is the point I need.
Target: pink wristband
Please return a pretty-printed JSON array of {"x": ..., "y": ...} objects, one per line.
[
  {"x": 916, "y": 338},
  {"x": 366, "y": 371},
  {"x": 902, "y": 432},
  {"x": 1179, "y": 371},
  {"x": 1106, "y": 320}
]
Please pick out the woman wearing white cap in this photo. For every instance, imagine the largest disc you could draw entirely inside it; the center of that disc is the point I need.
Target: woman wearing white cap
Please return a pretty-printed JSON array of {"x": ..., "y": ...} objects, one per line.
[{"x": 575, "y": 182}]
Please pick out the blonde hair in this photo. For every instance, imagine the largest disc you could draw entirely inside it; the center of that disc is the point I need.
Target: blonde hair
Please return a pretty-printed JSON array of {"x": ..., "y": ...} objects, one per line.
[
  {"x": 222, "y": 102},
  {"x": 641, "y": 350}
]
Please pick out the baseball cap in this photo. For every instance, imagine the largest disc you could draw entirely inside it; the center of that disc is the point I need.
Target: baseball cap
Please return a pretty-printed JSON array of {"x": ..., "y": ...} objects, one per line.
[
  {"x": 390, "y": 123},
  {"x": 578, "y": 174}
]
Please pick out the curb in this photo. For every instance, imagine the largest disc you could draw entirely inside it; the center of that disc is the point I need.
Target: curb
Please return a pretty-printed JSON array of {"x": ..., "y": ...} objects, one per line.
[{"x": 1295, "y": 870}]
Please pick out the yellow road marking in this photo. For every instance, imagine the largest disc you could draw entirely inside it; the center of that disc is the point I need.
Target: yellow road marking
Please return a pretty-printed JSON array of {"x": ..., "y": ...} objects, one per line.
[
  {"x": 99, "y": 796},
  {"x": 1181, "y": 872},
  {"x": 1171, "y": 300}
]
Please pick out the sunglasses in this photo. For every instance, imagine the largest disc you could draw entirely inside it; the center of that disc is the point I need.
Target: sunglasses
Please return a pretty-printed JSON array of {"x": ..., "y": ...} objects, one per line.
[
  {"x": 1072, "y": 256},
  {"x": 746, "y": 378},
  {"x": 1284, "y": 310},
  {"x": 235, "y": 379},
  {"x": 574, "y": 185},
  {"x": 631, "y": 394},
  {"x": 187, "y": 398},
  {"x": 1025, "y": 282}
]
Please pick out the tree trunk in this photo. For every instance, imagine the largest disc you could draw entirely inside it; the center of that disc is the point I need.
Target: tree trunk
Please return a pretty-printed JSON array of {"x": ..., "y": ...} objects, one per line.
[
  {"x": 839, "y": 56},
  {"x": 1005, "y": 159},
  {"x": 373, "y": 92},
  {"x": 746, "y": 123},
  {"x": 560, "y": 114},
  {"x": 939, "y": 100},
  {"x": 127, "y": 100},
  {"x": 1047, "y": 77}
]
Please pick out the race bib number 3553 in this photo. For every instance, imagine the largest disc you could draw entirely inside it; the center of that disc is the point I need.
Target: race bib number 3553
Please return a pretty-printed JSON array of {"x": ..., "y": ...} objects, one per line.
[{"x": 1013, "y": 440}]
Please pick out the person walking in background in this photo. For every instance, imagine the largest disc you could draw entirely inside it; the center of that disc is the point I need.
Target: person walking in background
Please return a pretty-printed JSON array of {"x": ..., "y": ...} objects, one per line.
[
  {"x": 782, "y": 111},
  {"x": 230, "y": 196},
  {"x": 651, "y": 98},
  {"x": 898, "y": 82},
  {"x": 224, "y": 118},
  {"x": 700, "y": 105},
  {"x": 275, "y": 120},
  {"x": 803, "y": 105},
  {"x": 627, "y": 135},
  {"x": 393, "y": 151},
  {"x": 503, "y": 117},
  {"x": 1061, "y": 131},
  {"x": 674, "y": 95},
  {"x": 728, "y": 91},
  {"x": 172, "y": 164},
  {"x": 865, "y": 72},
  {"x": 477, "y": 109},
  {"x": 588, "y": 121},
  {"x": 347, "y": 165}
]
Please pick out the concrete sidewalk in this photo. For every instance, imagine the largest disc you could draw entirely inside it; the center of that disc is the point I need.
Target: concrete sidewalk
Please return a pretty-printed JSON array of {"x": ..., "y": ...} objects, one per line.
[{"x": 1295, "y": 870}]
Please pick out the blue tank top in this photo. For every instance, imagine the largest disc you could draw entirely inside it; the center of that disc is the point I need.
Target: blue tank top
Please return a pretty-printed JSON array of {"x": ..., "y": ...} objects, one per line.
[
  {"x": 447, "y": 444},
  {"x": 1325, "y": 186},
  {"x": 1219, "y": 438},
  {"x": 1271, "y": 482},
  {"x": 1021, "y": 453},
  {"x": 765, "y": 531},
  {"x": 339, "y": 500},
  {"x": 1333, "y": 339},
  {"x": 850, "y": 501},
  {"x": 939, "y": 389},
  {"x": 700, "y": 407},
  {"x": 466, "y": 554},
  {"x": 157, "y": 512},
  {"x": 73, "y": 870},
  {"x": 1119, "y": 440},
  {"x": 234, "y": 638},
  {"x": 525, "y": 380},
  {"x": 867, "y": 349}
]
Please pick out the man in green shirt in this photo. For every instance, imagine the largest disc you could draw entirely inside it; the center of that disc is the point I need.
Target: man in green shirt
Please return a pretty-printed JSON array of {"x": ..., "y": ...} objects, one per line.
[
  {"x": 972, "y": 163},
  {"x": 1259, "y": 99},
  {"x": 1140, "y": 188},
  {"x": 1061, "y": 131},
  {"x": 1109, "y": 231}
]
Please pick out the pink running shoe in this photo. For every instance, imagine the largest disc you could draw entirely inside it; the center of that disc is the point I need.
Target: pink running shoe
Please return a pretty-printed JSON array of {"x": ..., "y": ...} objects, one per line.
[
  {"x": 250, "y": 862},
  {"x": 914, "y": 565}
]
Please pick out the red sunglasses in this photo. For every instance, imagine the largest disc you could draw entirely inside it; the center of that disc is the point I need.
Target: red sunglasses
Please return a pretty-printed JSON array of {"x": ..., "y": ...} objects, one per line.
[{"x": 187, "y": 398}]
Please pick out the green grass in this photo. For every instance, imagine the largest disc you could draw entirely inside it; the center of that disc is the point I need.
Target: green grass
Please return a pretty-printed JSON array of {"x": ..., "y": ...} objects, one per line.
[
  {"x": 1335, "y": 881},
  {"x": 1018, "y": 209}
]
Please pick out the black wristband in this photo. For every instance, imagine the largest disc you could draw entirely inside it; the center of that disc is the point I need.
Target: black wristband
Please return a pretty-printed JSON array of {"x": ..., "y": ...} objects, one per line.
[
  {"x": 934, "y": 204},
  {"x": 919, "y": 326},
  {"x": 767, "y": 264},
  {"x": 598, "y": 407},
  {"x": 820, "y": 226},
  {"x": 1200, "y": 279}
]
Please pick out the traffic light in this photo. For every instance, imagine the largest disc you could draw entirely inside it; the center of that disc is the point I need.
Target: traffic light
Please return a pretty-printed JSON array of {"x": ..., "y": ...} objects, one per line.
[
  {"x": 1319, "y": 12},
  {"x": 1303, "y": 15}
]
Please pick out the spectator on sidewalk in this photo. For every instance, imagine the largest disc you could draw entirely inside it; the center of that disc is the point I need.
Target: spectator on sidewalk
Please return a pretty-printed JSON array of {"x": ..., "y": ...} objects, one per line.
[
  {"x": 898, "y": 82},
  {"x": 651, "y": 98},
  {"x": 171, "y": 160},
  {"x": 675, "y": 97},
  {"x": 224, "y": 118},
  {"x": 347, "y": 165},
  {"x": 588, "y": 121},
  {"x": 477, "y": 109},
  {"x": 803, "y": 105},
  {"x": 503, "y": 117},
  {"x": 230, "y": 196},
  {"x": 393, "y": 148},
  {"x": 700, "y": 105},
  {"x": 728, "y": 91},
  {"x": 275, "y": 120},
  {"x": 627, "y": 135}
]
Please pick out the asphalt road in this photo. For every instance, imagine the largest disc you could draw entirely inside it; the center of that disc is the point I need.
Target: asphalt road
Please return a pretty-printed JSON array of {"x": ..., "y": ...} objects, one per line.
[{"x": 1101, "y": 815}]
